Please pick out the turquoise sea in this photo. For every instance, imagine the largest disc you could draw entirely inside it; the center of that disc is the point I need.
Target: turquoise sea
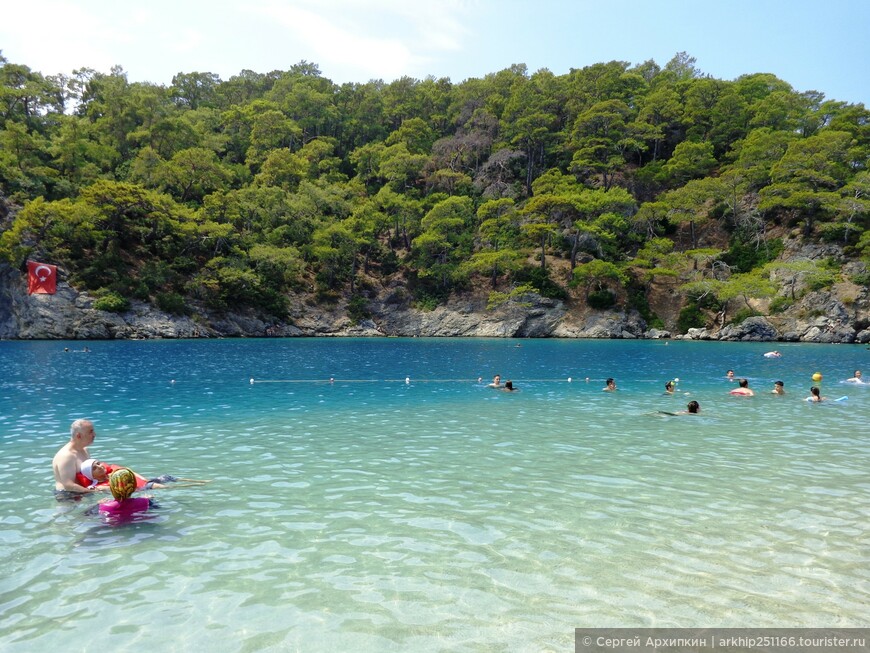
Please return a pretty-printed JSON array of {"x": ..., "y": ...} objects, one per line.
[{"x": 407, "y": 507}]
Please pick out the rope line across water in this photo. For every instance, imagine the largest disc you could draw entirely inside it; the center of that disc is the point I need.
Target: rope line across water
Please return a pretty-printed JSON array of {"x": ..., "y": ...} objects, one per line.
[{"x": 569, "y": 379}]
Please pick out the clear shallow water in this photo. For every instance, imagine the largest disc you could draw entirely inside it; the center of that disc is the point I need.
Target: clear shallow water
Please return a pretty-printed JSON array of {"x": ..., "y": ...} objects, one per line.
[{"x": 378, "y": 515}]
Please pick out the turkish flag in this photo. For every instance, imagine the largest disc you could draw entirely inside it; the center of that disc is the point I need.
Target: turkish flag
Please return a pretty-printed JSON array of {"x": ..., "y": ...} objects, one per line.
[{"x": 41, "y": 278}]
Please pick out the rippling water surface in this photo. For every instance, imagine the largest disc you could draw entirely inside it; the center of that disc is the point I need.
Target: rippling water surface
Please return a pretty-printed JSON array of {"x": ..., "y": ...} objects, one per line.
[{"x": 434, "y": 514}]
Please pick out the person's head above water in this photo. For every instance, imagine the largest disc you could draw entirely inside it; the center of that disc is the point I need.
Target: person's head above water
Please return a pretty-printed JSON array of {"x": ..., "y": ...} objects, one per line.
[
  {"x": 122, "y": 483},
  {"x": 88, "y": 468},
  {"x": 82, "y": 433},
  {"x": 693, "y": 406},
  {"x": 95, "y": 470}
]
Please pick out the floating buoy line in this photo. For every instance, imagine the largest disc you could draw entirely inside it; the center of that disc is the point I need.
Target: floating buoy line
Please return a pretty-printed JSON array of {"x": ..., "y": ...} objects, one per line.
[{"x": 478, "y": 380}]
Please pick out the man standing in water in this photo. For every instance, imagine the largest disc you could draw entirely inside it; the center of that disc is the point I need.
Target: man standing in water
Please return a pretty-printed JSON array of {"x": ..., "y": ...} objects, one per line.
[
  {"x": 68, "y": 461},
  {"x": 743, "y": 390}
]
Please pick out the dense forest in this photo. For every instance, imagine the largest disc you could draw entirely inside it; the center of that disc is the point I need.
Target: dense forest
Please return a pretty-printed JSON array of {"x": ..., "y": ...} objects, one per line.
[{"x": 242, "y": 193}]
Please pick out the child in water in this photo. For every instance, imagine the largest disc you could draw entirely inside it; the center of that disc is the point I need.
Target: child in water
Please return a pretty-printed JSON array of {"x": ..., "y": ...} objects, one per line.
[
  {"x": 122, "y": 483},
  {"x": 96, "y": 474}
]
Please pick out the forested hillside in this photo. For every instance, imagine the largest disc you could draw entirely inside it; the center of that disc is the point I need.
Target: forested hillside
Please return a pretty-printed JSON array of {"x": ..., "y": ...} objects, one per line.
[{"x": 241, "y": 193}]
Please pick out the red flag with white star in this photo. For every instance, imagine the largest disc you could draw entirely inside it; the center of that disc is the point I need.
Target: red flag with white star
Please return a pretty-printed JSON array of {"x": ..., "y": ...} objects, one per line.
[{"x": 41, "y": 278}]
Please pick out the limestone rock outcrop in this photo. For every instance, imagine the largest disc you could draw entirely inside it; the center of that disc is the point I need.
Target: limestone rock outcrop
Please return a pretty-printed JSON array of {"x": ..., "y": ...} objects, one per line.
[{"x": 837, "y": 314}]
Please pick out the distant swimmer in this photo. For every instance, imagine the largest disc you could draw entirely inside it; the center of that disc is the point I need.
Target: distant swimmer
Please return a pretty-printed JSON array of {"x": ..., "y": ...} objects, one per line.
[
  {"x": 496, "y": 381},
  {"x": 778, "y": 388},
  {"x": 670, "y": 387},
  {"x": 730, "y": 375},
  {"x": 815, "y": 395},
  {"x": 610, "y": 385},
  {"x": 743, "y": 390},
  {"x": 857, "y": 378},
  {"x": 773, "y": 354}
]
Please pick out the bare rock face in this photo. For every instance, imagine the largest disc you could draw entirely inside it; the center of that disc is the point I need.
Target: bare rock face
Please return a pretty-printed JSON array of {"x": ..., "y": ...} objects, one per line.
[
  {"x": 535, "y": 317},
  {"x": 837, "y": 314},
  {"x": 604, "y": 324},
  {"x": 69, "y": 314},
  {"x": 756, "y": 329}
]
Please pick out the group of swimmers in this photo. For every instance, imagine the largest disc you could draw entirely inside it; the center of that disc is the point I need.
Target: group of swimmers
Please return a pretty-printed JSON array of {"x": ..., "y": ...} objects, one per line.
[
  {"x": 77, "y": 474},
  {"x": 692, "y": 408},
  {"x": 744, "y": 390}
]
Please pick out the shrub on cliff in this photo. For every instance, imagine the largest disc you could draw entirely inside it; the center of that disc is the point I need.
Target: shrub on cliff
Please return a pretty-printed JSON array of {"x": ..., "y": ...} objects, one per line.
[{"x": 112, "y": 302}]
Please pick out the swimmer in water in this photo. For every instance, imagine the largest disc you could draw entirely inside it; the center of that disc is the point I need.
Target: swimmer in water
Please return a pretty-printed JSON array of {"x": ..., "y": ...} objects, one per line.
[
  {"x": 96, "y": 473},
  {"x": 610, "y": 385},
  {"x": 509, "y": 386},
  {"x": 496, "y": 381},
  {"x": 692, "y": 408},
  {"x": 743, "y": 390},
  {"x": 815, "y": 395},
  {"x": 857, "y": 378},
  {"x": 778, "y": 388}
]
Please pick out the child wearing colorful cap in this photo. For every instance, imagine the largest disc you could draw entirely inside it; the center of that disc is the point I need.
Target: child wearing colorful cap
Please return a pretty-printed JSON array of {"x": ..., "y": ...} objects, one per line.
[{"x": 122, "y": 483}]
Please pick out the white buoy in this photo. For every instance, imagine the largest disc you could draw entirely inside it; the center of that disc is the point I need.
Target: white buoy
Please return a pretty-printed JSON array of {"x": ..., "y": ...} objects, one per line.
[
  {"x": 252, "y": 380},
  {"x": 569, "y": 379},
  {"x": 407, "y": 379}
]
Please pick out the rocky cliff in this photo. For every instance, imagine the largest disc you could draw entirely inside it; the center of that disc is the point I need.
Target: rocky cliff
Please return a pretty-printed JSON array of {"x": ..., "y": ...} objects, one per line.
[{"x": 837, "y": 314}]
